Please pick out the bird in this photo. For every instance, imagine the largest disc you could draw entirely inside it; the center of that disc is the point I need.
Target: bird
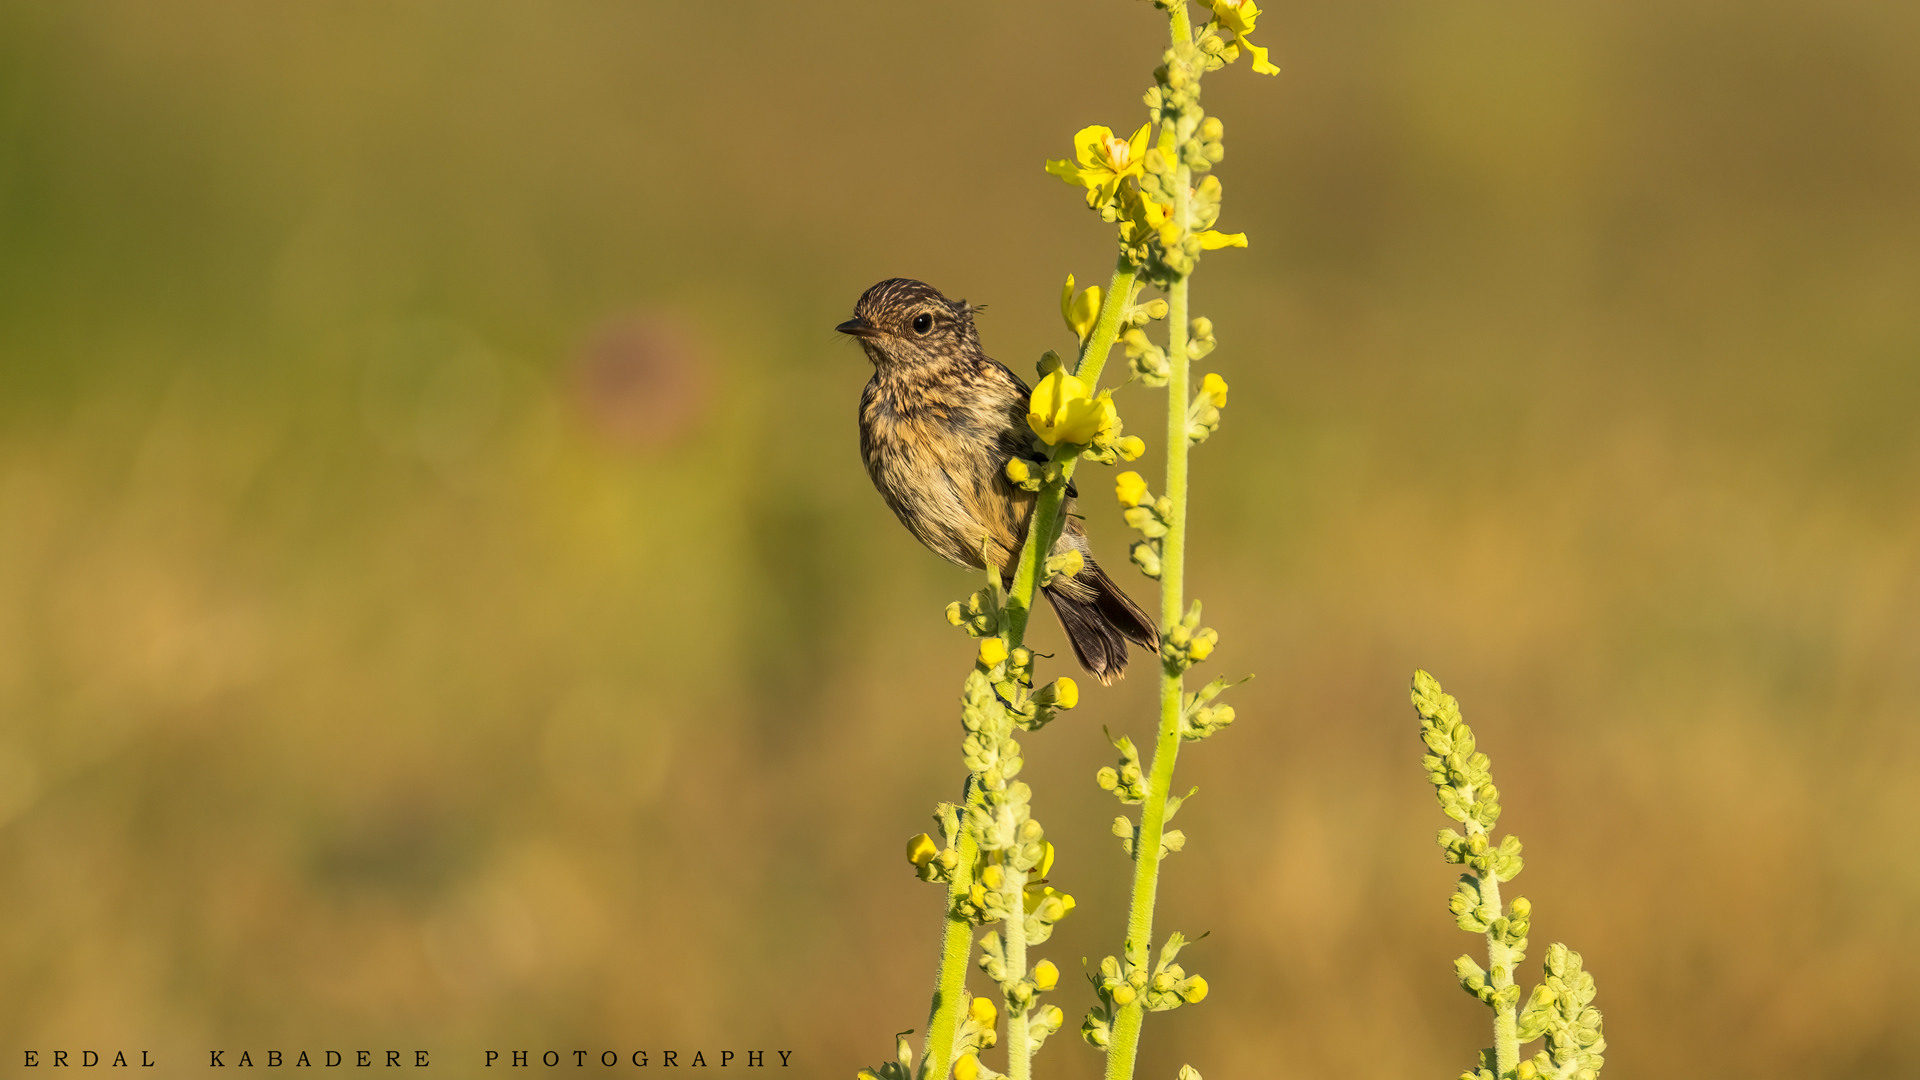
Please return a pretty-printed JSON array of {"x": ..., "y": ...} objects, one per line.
[{"x": 939, "y": 421}]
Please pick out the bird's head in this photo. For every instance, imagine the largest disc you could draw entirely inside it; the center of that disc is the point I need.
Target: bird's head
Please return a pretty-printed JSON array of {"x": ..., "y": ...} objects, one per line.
[{"x": 904, "y": 324}]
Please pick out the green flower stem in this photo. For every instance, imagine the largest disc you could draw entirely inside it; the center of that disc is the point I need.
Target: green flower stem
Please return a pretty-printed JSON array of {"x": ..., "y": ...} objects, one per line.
[
  {"x": 956, "y": 942},
  {"x": 1047, "y": 518},
  {"x": 1013, "y": 933},
  {"x": 1125, "y": 1041},
  {"x": 1153, "y": 816},
  {"x": 1500, "y": 965},
  {"x": 1106, "y": 328}
]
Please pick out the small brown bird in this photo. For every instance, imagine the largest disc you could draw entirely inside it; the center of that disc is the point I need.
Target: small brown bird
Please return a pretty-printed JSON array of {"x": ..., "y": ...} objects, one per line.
[{"x": 938, "y": 422}]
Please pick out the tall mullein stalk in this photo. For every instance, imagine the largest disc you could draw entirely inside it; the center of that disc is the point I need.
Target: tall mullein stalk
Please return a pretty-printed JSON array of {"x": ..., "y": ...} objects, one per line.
[
  {"x": 1165, "y": 222},
  {"x": 992, "y": 854},
  {"x": 1560, "y": 1007},
  {"x": 997, "y": 698}
]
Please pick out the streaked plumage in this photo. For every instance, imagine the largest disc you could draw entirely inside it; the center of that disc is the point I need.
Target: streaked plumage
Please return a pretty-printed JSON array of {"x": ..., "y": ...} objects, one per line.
[{"x": 938, "y": 422}]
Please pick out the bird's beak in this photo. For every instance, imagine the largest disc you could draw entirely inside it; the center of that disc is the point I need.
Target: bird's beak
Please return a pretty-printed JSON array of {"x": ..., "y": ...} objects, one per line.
[{"x": 859, "y": 328}]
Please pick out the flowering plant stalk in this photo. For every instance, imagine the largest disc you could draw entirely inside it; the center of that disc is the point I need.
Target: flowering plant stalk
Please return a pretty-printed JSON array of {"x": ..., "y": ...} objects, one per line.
[
  {"x": 992, "y": 853},
  {"x": 1560, "y": 1007}
]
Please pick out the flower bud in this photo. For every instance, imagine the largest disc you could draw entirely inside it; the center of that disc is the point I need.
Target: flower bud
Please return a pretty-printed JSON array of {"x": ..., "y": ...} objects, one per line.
[
  {"x": 921, "y": 850},
  {"x": 1046, "y": 976},
  {"x": 983, "y": 1012},
  {"x": 1017, "y": 470},
  {"x": 967, "y": 1068},
  {"x": 1215, "y": 388},
  {"x": 993, "y": 877},
  {"x": 1130, "y": 487},
  {"x": 1124, "y": 994},
  {"x": 992, "y": 651},
  {"x": 1194, "y": 990},
  {"x": 1066, "y": 693},
  {"x": 1212, "y": 130},
  {"x": 1130, "y": 447}
]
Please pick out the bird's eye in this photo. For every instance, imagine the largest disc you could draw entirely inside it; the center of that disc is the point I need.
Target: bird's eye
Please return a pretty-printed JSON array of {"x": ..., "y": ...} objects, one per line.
[{"x": 922, "y": 323}]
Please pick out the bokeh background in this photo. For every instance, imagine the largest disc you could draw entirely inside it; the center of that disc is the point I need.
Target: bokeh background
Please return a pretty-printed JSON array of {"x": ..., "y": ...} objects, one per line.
[{"x": 441, "y": 605}]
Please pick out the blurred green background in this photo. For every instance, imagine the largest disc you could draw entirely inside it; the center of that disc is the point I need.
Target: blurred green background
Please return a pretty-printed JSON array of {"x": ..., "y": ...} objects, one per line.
[{"x": 441, "y": 604}]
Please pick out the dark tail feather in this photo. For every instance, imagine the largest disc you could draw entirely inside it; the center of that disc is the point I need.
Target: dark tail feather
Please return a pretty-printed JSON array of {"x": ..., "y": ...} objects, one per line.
[{"x": 1101, "y": 626}]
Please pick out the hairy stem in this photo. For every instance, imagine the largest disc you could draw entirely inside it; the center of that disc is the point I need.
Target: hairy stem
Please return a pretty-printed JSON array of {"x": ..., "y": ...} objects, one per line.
[
  {"x": 1125, "y": 1041},
  {"x": 1153, "y": 815},
  {"x": 1014, "y": 936},
  {"x": 1506, "y": 1022},
  {"x": 1106, "y": 328},
  {"x": 956, "y": 942}
]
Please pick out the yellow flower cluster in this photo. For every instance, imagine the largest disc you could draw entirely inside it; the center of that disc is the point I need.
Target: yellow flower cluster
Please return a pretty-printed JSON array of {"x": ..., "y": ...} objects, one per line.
[{"x": 1236, "y": 18}]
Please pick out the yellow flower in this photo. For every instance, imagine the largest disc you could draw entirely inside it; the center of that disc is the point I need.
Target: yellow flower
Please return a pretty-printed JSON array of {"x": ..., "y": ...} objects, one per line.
[
  {"x": 1130, "y": 487},
  {"x": 1215, "y": 387},
  {"x": 983, "y": 1012},
  {"x": 1104, "y": 161},
  {"x": 1046, "y": 975},
  {"x": 921, "y": 850},
  {"x": 1214, "y": 240},
  {"x": 1066, "y": 694},
  {"x": 1237, "y": 17},
  {"x": 992, "y": 651},
  {"x": 1082, "y": 311},
  {"x": 1140, "y": 215},
  {"x": 1062, "y": 410},
  {"x": 967, "y": 1068},
  {"x": 1037, "y": 895}
]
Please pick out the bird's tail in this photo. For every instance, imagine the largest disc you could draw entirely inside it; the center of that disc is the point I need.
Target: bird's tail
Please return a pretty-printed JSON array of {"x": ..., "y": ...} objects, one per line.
[{"x": 1100, "y": 620}]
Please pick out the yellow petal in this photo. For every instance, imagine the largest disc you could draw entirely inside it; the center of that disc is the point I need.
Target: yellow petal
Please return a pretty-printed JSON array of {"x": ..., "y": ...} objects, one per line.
[
  {"x": 1131, "y": 487},
  {"x": 1084, "y": 311},
  {"x": 1074, "y": 174},
  {"x": 1066, "y": 300},
  {"x": 1089, "y": 145},
  {"x": 1137, "y": 148},
  {"x": 967, "y": 1068},
  {"x": 1214, "y": 240},
  {"x": 1261, "y": 65},
  {"x": 1059, "y": 408}
]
